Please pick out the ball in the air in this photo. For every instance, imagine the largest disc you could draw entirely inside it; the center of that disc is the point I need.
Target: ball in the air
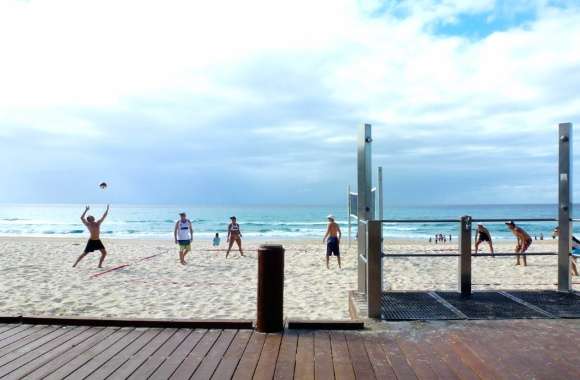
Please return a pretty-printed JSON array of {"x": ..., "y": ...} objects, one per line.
[{"x": 103, "y": 185}]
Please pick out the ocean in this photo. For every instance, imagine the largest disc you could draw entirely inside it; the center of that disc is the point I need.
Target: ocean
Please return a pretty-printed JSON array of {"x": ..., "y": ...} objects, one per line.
[{"x": 257, "y": 222}]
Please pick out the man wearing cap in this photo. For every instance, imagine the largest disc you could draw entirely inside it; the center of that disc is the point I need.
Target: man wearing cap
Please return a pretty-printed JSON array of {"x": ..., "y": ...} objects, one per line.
[
  {"x": 332, "y": 239},
  {"x": 183, "y": 233},
  {"x": 482, "y": 235},
  {"x": 524, "y": 241},
  {"x": 234, "y": 236}
]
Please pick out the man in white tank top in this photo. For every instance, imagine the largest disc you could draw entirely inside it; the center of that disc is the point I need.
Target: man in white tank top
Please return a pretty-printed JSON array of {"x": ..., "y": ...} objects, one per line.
[{"x": 183, "y": 234}]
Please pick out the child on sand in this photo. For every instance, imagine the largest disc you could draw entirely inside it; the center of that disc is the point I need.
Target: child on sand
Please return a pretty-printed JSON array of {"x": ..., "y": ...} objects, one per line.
[
  {"x": 333, "y": 234},
  {"x": 94, "y": 243}
]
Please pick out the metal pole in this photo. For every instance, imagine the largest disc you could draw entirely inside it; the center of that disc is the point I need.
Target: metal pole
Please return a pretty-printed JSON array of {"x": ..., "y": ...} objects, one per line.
[
  {"x": 374, "y": 269},
  {"x": 270, "y": 300},
  {"x": 564, "y": 206},
  {"x": 364, "y": 198},
  {"x": 380, "y": 190},
  {"x": 349, "y": 211},
  {"x": 464, "y": 269}
]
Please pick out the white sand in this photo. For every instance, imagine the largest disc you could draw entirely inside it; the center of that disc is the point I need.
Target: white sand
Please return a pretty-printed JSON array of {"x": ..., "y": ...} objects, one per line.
[{"x": 37, "y": 278}]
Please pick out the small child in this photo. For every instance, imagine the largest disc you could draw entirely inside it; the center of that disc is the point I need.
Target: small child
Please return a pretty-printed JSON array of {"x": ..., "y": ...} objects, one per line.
[{"x": 216, "y": 240}]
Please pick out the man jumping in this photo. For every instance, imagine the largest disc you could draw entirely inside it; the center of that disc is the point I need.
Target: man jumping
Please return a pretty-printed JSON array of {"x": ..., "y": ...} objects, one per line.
[{"x": 94, "y": 243}]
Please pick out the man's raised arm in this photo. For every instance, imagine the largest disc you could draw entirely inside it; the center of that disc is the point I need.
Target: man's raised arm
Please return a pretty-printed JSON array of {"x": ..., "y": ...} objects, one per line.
[
  {"x": 104, "y": 215},
  {"x": 84, "y": 214}
]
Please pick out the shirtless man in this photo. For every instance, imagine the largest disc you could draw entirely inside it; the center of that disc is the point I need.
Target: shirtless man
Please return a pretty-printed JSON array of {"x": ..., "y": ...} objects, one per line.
[
  {"x": 524, "y": 241},
  {"x": 482, "y": 235},
  {"x": 94, "y": 243},
  {"x": 333, "y": 234},
  {"x": 234, "y": 236},
  {"x": 183, "y": 234}
]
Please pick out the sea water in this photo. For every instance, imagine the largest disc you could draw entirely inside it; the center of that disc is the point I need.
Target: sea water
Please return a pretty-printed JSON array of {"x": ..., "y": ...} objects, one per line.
[{"x": 257, "y": 222}]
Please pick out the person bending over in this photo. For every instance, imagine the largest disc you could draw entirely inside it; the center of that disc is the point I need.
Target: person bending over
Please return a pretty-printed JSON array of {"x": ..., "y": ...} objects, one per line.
[
  {"x": 234, "y": 236},
  {"x": 482, "y": 235},
  {"x": 94, "y": 243},
  {"x": 332, "y": 239},
  {"x": 524, "y": 241}
]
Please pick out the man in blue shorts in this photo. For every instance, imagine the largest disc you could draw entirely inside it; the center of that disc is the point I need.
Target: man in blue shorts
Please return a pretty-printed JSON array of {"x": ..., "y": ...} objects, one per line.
[{"x": 332, "y": 239}]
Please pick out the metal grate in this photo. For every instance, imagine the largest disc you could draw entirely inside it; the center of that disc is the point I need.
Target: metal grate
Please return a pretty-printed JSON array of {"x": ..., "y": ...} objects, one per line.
[
  {"x": 489, "y": 305},
  {"x": 563, "y": 305},
  {"x": 412, "y": 306}
]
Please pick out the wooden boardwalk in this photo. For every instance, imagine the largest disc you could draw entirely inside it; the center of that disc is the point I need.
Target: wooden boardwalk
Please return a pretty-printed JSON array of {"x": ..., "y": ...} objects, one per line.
[{"x": 514, "y": 349}]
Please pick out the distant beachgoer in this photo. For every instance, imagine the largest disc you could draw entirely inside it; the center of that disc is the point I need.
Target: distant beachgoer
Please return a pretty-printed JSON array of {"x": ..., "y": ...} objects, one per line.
[
  {"x": 575, "y": 250},
  {"x": 482, "y": 235},
  {"x": 332, "y": 239},
  {"x": 524, "y": 241},
  {"x": 430, "y": 240},
  {"x": 94, "y": 243},
  {"x": 216, "y": 240},
  {"x": 234, "y": 236},
  {"x": 450, "y": 238},
  {"x": 183, "y": 234},
  {"x": 436, "y": 238},
  {"x": 541, "y": 236}
]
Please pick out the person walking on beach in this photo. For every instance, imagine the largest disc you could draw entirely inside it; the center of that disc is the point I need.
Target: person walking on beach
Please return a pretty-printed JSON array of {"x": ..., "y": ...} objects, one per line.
[
  {"x": 183, "y": 234},
  {"x": 234, "y": 236},
  {"x": 332, "y": 239},
  {"x": 482, "y": 235},
  {"x": 524, "y": 241},
  {"x": 94, "y": 243}
]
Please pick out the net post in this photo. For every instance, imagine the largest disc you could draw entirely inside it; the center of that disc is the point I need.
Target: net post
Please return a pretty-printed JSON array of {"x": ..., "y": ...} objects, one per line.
[
  {"x": 374, "y": 269},
  {"x": 564, "y": 205},
  {"x": 364, "y": 198},
  {"x": 464, "y": 269}
]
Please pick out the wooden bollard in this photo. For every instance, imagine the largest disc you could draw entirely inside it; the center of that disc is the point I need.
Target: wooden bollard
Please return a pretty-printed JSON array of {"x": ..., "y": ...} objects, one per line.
[{"x": 270, "y": 289}]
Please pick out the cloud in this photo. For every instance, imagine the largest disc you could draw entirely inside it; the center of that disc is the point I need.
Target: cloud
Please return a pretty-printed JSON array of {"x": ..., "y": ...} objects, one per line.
[{"x": 259, "y": 101}]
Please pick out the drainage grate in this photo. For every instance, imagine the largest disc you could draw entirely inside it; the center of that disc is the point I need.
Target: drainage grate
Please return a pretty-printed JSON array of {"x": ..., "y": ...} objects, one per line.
[
  {"x": 563, "y": 305},
  {"x": 489, "y": 305},
  {"x": 411, "y": 306}
]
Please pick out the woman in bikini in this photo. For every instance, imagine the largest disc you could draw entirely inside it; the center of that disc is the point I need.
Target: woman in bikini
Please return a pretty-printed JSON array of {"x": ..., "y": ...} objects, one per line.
[{"x": 234, "y": 236}]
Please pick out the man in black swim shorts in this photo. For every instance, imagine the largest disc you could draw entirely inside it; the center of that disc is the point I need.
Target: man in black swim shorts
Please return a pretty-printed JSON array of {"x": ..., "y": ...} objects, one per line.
[
  {"x": 332, "y": 238},
  {"x": 482, "y": 235},
  {"x": 94, "y": 243}
]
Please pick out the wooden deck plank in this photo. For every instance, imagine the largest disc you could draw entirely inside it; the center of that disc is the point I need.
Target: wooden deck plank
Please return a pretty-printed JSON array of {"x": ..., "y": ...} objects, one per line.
[
  {"x": 441, "y": 346},
  {"x": 127, "y": 361},
  {"x": 37, "y": 357},
  {"x": 491, "y": 366},
  {"x": 4, "y": 328},
  {"x": 378, "y": 358},
  {"x": 21, "y": 337},
  {"x": 323, "y": 366},
  {"x": 142, "y": 369},
  {"x": 287, "y": 356},
  {"x": 173, "y": 361},
  {"x": 397, "y": 359},
  {"x": 96, "y": 355},
  {"x": 213, "y": 358},
  {"x": 16, "y": 329},
  {"x": 57, "y": 361},
  {"x": 426, "y": 354},
  {"x": 484, "y": 369},
  {"x": 361, "y": 364},
  {"x": 267, "y": 363},
  {"x": 35, "y": 342},
  {"x": 250, "y": 357},
  {"x": 195, "y": 357},
  {"x": 232, "y": 356},
  {"x": 305, "y": 356}
]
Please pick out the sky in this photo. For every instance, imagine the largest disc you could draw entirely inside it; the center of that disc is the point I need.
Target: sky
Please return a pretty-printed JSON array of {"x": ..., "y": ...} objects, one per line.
[{"x": 260, "y": 101}]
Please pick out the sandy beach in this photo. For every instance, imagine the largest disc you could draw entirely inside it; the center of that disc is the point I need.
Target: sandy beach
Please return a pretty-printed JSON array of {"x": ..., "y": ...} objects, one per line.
[{"x": 38, "y": 278}]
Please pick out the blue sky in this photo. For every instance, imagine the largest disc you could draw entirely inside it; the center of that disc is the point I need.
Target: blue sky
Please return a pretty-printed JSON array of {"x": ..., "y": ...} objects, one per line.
[{"x": 259, "y": 102}]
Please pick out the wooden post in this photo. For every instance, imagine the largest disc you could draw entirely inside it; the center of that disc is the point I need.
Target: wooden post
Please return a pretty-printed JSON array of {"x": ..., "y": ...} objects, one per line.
[
  {"x": 364, "y": 199},
  {"x": 374, "y": 269},
  {"x": 464, "y": 270},
  {"x": 564, "y": 206},
  {"x": 270, "y": 289}
]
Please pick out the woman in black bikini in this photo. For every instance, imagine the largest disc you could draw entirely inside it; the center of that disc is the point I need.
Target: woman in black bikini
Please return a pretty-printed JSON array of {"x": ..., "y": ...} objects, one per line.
[
  {"x": 234, "y": 236},
  {"x": 482, "y": 235}
]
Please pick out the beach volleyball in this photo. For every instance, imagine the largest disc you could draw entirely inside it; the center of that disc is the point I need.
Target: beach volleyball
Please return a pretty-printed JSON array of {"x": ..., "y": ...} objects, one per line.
[{"x": 103, "y": 185}]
